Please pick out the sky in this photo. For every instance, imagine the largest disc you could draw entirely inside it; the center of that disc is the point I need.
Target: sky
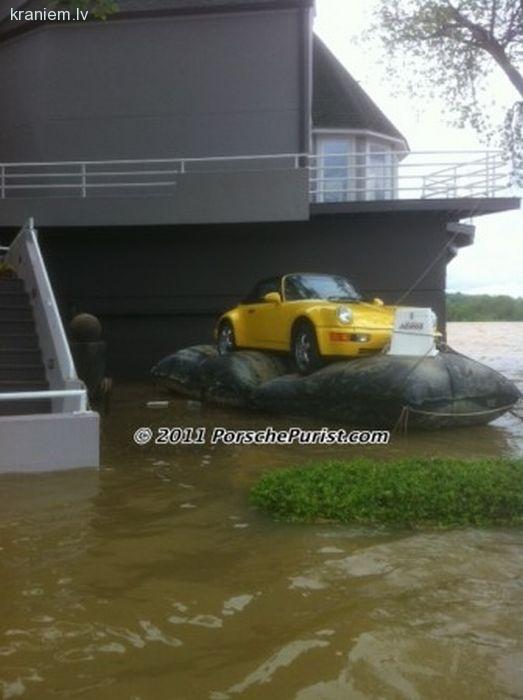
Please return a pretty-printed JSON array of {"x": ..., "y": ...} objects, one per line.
[{"x": 494, "y": 264}]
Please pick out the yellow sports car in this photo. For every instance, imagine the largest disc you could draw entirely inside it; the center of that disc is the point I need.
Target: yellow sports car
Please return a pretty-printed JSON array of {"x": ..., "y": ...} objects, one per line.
[{"x": 309, "y": 315}]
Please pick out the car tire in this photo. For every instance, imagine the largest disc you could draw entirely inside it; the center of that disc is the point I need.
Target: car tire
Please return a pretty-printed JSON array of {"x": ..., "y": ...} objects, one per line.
[
  {"x": 226, "y": 341},
  {"x": 304, "y": 348}
]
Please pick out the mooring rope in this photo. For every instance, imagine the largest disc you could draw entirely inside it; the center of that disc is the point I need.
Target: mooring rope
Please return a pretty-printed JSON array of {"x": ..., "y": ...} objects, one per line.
[
  {"x": 458, "y": 415},
  {"x": 426, "y": 270},
  {"x": 402, "y": 423},
  {"x": 444, "y": 249}
]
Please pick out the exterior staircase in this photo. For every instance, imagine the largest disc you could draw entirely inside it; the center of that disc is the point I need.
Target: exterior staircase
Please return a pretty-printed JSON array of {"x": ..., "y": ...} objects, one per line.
[
  {"x": 21, "y": 364},
  {"x": 45, "y": 420}
]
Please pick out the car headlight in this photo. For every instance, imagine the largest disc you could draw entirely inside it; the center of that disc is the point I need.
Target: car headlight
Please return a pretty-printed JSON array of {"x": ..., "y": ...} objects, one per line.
[{"x": 344, "y": 314}]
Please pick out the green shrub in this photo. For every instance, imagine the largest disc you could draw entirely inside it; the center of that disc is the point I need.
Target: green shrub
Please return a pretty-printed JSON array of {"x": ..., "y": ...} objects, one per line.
[{"x": 439, "y": 492}]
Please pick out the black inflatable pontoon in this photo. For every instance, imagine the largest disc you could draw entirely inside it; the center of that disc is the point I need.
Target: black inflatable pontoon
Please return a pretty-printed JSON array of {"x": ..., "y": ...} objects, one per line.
[{"x": 448, "y": 390}]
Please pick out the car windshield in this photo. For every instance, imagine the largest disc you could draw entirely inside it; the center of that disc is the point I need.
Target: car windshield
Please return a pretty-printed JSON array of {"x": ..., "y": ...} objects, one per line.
[{"x": 310, "y": 286}]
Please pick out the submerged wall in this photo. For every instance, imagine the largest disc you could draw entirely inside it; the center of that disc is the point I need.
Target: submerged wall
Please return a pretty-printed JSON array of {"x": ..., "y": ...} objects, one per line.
[{"x": 157, "y": 289}]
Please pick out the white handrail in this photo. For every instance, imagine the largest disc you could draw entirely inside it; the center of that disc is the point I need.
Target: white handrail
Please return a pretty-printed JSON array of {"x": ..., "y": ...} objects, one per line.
[
  {"x": 366, "y": 178},
  {"x": 435, "y": 174},
  {"x": 44, "y": 394},
  {"x": 263, "y": 156},
  {"x": 101, "y": 173},
  {"x": 48, "y": 297},
  {"x": 363, "y": 159},
  {"x": 48, "y": 394},
  {"x": 87, "y": 185}
]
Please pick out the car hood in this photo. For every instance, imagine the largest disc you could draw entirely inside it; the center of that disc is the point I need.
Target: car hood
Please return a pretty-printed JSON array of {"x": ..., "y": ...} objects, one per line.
[{"x": 373, "y": 316}]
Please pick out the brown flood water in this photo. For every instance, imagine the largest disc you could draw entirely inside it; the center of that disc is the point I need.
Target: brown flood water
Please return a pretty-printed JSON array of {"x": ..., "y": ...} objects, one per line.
[{"x": 153, "y": 579}]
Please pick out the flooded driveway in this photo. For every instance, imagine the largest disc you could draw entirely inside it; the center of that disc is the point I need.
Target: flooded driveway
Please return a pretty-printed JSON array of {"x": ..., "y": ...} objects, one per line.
[{"x": 153, "y": 579}]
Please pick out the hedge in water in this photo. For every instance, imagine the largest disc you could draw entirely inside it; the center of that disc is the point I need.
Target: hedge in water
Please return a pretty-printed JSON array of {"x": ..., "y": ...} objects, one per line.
[{"x": 440, "y": 492}]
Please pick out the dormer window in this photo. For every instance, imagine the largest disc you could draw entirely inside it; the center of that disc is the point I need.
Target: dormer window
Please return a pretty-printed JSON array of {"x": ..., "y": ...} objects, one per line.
[
  {"x": 356, "y": 148},
  {"x": 354, "y": 166},
  {"x": 335, "y": 168},
  {"x": 381, "y": 171}
]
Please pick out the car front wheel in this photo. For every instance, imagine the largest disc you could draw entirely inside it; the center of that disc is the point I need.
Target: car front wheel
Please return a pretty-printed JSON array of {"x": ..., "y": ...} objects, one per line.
[
  {"x": 304, "y": 350},
  {"x": 226, "y": 341}
]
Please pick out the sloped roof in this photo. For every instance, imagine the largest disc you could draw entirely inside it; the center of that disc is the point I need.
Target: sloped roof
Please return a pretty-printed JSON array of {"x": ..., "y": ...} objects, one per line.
[{"x": 339, "y": 102}]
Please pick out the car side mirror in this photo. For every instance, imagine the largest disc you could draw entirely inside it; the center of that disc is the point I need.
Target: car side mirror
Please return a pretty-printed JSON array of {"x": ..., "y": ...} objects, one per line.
[
  {"x": 272, "y": 298},
  {"x": 378, "y": 302}
]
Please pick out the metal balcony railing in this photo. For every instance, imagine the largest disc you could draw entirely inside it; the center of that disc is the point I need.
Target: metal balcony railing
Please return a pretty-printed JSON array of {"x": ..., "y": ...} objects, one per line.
[
  {"x": 408, "y": 175},
  {"x": 333, "y": 178}
]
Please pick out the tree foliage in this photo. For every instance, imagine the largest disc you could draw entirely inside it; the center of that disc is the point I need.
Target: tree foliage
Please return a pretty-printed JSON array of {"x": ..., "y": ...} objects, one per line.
[
  {"x": 483, "y": 307},
  {"x": 99, "y": 9},
  {"x": 451, "y": 48}
]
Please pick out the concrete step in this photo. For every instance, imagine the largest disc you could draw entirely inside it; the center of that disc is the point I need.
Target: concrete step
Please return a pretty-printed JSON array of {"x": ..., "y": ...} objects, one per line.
[
  {"x": 21, "y": 367},
  {"x": 15, "y": 299},
  {"x": 20, "y": 356},
  {"x": 8, "y": 385},
  {"x": 25, "y": 408},
  {"x": 18, "y": 372},
  {"x": 17, "y": 327},
  {"x": 15, "y": 313},
  {"x": 11, "y": 286},
  {"x": 12, "y": 341},
  {"x": 49, "y": 442}
]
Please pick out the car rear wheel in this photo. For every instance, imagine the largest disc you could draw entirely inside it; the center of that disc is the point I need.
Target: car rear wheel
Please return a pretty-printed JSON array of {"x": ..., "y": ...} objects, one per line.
[
  {"x": 304, "y": 349},
  {"x": 226, "y": 340}
]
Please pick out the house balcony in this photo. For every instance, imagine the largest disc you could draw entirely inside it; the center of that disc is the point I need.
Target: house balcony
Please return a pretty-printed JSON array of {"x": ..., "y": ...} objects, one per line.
[
  {"x": 471, "y": 181},
  {"x": 281, "y": 187}
]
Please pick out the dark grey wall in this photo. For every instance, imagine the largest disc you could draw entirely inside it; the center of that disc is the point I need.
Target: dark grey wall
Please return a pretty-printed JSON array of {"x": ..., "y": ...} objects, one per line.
[
  {"x": 170, "y": 87},
  {"x": 150, "y": 88},
  {"x": 269, "y": 195},
  {"x": 158, "y": 289}
]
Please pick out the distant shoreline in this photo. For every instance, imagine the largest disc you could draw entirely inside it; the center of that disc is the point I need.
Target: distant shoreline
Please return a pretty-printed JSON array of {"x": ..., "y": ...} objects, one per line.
[{"x": 483, "y": 307}]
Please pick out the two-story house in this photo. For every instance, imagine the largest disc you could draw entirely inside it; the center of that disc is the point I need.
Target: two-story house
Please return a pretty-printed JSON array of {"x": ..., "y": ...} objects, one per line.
[{"x": 182, "y": 149}]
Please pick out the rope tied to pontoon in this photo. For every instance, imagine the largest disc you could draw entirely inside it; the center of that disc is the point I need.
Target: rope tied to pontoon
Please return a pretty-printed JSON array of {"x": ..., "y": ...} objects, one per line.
[{"x": 403, "y": 420}]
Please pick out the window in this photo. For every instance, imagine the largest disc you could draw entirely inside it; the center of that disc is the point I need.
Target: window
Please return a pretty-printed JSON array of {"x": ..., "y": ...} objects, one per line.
[
  {"x": 380, "y": 171},
  {"x": 335, "y": 169},
  {"x": 353, "y": 167},
  {"x": 261, "y": 289},
  {"x": 311, "y": 286}
]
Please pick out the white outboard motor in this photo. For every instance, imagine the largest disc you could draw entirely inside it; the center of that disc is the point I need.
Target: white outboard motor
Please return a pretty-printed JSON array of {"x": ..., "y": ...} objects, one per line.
[{"x": 414, "y": 332}]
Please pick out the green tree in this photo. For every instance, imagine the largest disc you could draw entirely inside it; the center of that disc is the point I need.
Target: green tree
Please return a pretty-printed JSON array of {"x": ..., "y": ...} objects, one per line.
[
  {"x": 451, "y": 48},
  {"x": 100, "y": 9},
  {"x": 483, "y": 307}
]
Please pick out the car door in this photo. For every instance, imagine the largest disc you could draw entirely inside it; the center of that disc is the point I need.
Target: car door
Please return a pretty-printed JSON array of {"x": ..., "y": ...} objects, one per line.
[{"x": 262, "y": 318}]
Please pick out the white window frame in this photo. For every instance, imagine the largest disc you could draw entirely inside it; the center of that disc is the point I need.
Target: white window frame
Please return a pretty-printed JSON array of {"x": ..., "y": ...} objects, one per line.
[
  {"x": 389, "y": 179},
  {"x": 347, "y": 187},
  {"x": 360, "y": 189}
]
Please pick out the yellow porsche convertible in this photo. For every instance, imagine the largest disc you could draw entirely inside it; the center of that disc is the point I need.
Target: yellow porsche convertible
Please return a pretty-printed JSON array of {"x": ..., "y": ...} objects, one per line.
[{"x": 309, "y": 315}]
